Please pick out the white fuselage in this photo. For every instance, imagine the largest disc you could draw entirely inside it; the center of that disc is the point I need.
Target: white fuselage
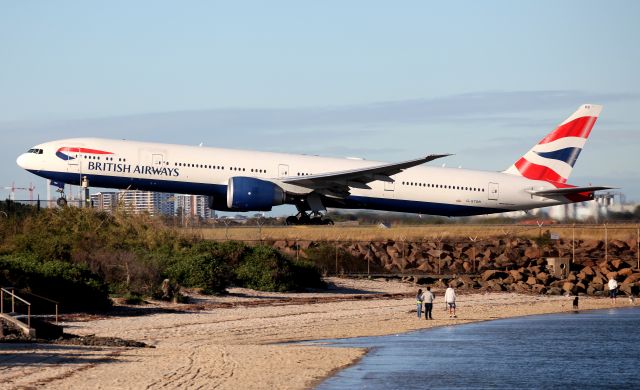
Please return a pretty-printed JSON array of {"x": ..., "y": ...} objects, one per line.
[{"x": 206, "y": 171}]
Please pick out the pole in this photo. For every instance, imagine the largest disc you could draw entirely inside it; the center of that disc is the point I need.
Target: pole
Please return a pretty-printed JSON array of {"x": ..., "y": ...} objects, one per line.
[
  {"x": 336, "y": 257},
  {"x": 573, "y": 243},
  {"x": 606, "y": 243}
]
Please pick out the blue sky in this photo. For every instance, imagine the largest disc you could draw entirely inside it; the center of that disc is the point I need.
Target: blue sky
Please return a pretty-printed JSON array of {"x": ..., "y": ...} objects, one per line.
[{"x": 379, "y": 80}]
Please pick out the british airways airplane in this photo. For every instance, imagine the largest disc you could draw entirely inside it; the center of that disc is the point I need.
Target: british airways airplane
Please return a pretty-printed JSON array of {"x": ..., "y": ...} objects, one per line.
[{"x": 238, "y": 180}]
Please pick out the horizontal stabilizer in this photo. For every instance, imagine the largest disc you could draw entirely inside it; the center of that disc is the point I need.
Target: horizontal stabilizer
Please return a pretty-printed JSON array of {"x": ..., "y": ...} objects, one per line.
[{"x": 568, "y": 191}]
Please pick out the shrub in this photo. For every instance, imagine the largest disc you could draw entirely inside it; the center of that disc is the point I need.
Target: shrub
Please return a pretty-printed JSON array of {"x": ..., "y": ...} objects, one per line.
[
  {"x": 72, "y": 285},
  {"x": 204, "y": 265},
  {"x": 264, "y": 268}
]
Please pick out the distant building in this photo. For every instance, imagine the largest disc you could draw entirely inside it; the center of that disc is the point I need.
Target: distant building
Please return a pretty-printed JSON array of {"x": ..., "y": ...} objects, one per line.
[
  {"x": 105, "y": 201},
  {"x": 154, "y": 203},
  {"x": 193, "y": 206}
]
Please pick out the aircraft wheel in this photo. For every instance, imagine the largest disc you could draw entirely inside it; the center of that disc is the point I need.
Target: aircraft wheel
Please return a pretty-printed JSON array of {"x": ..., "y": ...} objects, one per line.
[
  {"x": 291, "y": 221},
  {"x": 328, "y": 221},
  {"x": 61, "y": 202}
]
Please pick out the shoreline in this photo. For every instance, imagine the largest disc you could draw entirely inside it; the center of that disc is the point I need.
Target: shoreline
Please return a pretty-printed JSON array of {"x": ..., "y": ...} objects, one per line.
[{"x": 239, "y": 345}]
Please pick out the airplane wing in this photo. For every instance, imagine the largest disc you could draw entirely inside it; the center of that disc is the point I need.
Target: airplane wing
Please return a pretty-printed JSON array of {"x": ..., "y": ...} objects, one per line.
[
  {"x": 337, "y": 184},
  {"x": 568, "y": 191}
]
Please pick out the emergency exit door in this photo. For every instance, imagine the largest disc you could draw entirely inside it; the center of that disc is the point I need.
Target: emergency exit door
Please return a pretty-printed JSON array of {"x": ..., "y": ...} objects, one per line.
[{"x": 493, "y": 191}]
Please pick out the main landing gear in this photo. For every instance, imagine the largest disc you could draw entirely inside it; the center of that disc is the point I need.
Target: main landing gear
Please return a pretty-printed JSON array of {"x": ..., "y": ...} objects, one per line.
[{"x": 303, "y": 218}]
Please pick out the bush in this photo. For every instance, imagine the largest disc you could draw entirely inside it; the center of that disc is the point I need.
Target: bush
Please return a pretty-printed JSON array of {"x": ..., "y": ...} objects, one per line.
[
  {"x": 264, "y": 268},
  {"x": 72, "y": 285},
  {"x": 204, "y": 265}
]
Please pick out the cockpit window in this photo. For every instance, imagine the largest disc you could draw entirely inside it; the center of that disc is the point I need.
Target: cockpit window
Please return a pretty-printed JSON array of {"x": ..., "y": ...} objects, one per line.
[{"x": 35, "y": 151}]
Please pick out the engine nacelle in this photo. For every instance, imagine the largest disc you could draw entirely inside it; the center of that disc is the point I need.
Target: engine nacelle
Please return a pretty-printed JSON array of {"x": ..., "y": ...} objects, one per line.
[{"x": 251, "y": 194}]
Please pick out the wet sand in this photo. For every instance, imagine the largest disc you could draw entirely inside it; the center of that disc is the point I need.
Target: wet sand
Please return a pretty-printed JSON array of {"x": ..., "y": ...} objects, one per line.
[{"x": 234, "y": 341}]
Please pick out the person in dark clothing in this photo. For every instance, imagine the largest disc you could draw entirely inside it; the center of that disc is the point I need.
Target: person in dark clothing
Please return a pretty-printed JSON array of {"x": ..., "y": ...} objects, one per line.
[{"x": 427, "y": 298}]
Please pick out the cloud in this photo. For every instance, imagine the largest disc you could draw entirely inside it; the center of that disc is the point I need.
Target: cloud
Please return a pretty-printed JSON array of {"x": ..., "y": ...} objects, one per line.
[{"x": 493, "y": 106}]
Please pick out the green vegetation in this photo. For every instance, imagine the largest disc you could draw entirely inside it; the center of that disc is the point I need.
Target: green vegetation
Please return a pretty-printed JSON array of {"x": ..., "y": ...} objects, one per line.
[{"x": 78, "y": 257}]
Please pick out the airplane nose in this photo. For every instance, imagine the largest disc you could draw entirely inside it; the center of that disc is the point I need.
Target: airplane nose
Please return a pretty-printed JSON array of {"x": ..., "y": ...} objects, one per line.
[{"x": 22, "y": 161}]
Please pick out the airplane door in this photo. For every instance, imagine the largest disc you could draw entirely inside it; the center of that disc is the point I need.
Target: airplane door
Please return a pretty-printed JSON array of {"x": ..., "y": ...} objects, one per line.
[
  {"x": 389, "y": 188},
  {"x": 157, "y": 159},
  {"x": 493, "y": 191},
  {"x": 283, "y": 170}
]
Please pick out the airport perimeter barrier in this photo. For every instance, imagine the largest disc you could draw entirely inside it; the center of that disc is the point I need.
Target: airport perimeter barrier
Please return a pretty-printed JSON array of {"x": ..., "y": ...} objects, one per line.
[{"x": 443, "y": 255}]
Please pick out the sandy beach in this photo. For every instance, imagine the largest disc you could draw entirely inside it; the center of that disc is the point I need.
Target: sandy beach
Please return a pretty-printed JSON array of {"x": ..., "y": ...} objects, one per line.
[{"x": 234, "y": 341}]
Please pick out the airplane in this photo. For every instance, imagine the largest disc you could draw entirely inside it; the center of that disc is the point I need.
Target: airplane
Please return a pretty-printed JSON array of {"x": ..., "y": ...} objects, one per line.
[{"x": 243, "y": 180}]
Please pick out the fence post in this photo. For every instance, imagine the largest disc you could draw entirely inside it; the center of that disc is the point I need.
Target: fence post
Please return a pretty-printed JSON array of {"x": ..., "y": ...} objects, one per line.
[
  {"x": 337, "y": 255},
  {"x": 539, "y": 237},
  {"x": 473, "y": 251},
  {"x": 369, "y": 260},
  {"x": 606, "y": 244},
  {"x": 573, "y": 243}
]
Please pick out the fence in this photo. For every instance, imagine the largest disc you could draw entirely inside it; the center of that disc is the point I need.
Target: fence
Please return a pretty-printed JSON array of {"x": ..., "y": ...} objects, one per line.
[{"x": 445, "y": 251}]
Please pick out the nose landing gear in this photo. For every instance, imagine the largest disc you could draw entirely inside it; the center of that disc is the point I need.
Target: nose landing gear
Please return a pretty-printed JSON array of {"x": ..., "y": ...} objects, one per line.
[
  {"x": 304, "y": 218},
  {"x": 62, "y": 200}
]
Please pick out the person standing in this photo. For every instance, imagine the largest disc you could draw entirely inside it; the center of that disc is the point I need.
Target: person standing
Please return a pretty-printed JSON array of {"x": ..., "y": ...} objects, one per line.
[
  {"x": 450, "y": 300},
  {"x": 419, "y": 302},
  {"x": 613, "y": 289},
  {"x": 427, "y": 298}
]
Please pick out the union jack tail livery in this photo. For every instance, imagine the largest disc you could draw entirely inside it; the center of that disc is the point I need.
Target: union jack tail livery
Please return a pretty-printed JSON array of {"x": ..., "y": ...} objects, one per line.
[{"x": 552, "y": 159}]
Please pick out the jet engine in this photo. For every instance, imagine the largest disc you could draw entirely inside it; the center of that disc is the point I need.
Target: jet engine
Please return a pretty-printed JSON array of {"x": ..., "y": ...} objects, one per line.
[{"x": 251, "y": 194}]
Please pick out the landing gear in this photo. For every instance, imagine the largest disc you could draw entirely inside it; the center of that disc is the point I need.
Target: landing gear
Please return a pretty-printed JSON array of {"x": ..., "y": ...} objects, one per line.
[
  {"x": 62, "y": 200},
  {"x": 303, "y": 218}
]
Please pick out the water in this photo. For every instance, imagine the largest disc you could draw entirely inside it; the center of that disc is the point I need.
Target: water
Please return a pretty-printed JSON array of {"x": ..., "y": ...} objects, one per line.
[{"x": 593, "y": 349}]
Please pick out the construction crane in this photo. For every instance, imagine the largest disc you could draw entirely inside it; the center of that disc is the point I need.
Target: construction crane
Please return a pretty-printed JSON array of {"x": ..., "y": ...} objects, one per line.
[{"x": 13, "y": 189}]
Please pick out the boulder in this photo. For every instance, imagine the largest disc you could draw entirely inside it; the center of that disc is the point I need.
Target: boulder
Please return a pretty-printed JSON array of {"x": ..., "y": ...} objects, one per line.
[
  {"x": 538, "y": 289},
  {"x": 531, "y": 281},
  {"x": 531, "y": 252},
  {"x": 493, "y": 274},
  {"x": 516, "y": 275},
  {"x": 620, "y": 245},
  {"x": 633, "y": 278},
  {"x": 554, "y": 291},
  {"x": 543, "y": 277},
  {"x": 568, "y": 287}
]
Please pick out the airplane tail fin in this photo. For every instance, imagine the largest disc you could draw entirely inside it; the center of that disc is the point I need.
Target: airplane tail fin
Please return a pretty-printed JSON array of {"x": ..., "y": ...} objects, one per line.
[{"x": 552, "y": 159}]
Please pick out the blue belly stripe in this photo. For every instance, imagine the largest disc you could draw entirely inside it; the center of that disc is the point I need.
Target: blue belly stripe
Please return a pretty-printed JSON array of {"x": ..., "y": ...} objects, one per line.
[{"x": 220, "y": 190}]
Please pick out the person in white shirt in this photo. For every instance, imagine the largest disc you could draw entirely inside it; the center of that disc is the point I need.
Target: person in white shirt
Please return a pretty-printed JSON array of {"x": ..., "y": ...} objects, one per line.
[
  {"x": 613, "y": 289},
  {"x": 450, "y": 300},
  {"x": 427, "y": 298}
]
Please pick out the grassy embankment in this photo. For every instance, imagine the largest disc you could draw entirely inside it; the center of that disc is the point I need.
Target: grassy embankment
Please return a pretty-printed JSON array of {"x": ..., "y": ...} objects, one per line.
[{"x": 624, "y": 232}]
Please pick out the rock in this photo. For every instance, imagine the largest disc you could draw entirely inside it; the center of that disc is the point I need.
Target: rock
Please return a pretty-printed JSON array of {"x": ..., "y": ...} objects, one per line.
[
  {"x": 568, "y": 287},
  {"x": 531, "y": 252},
  {"x": 588, "y": 271},
  {"x": 620, "y": 245},
  {"x": 531, "y": 281},
  {"x": 493, "y": 274},
  {"x": 611, "y": 275},
  {"x": 543, "y": 277},
  {"x": 539, "y": 289},
  {"x": 633, "y": 278},
  {"x": 617, "y": 264},
  {"x": 554, "y": 291},
  {"x": 625, "y": 272},
  {"x": 516, "y": 275}
]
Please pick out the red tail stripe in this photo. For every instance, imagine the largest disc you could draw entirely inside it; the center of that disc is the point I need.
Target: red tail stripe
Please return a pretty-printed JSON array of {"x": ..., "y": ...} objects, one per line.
[
  {"x": 579, "y": 127},
  {"x": 83, "y": 150},
  {"x": 537, "y": 172}
]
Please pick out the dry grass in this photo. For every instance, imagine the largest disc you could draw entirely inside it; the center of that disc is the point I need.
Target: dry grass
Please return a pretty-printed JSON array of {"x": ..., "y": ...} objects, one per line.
[{"x": 626, "y": 233}]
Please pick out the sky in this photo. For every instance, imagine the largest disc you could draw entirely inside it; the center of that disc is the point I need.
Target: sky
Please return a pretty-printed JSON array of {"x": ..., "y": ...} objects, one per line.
[{"x": 387, "y": 81}]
